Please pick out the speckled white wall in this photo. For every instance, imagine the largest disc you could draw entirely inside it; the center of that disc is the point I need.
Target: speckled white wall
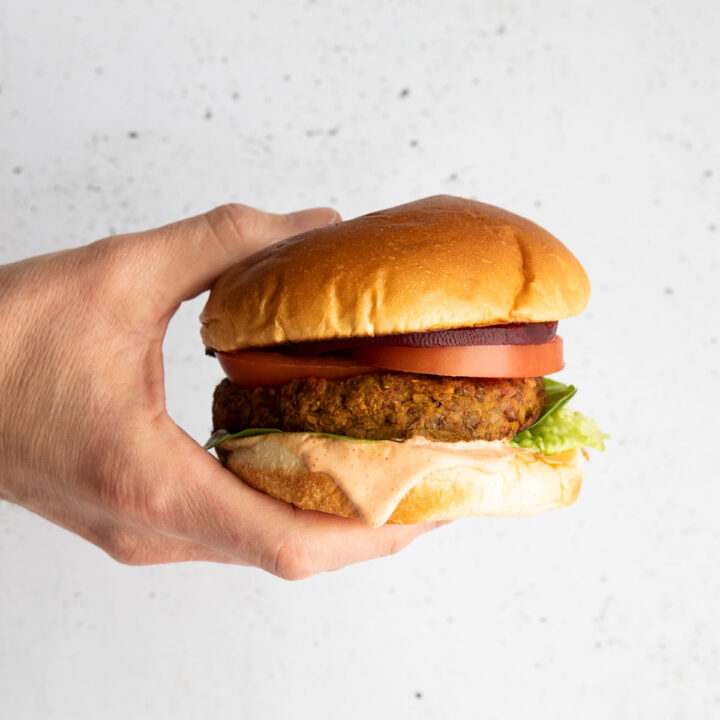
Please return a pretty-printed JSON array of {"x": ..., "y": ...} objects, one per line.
[{"x": 599, "y": 121}]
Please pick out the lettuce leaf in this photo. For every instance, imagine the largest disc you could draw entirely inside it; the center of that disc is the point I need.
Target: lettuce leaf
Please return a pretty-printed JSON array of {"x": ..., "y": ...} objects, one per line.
[
  {"x": 562, "y": 430},
  {"x": 220, "y": 436},
  {"x": 557, "y": 394},
  {"x": 559, "y": 428}
]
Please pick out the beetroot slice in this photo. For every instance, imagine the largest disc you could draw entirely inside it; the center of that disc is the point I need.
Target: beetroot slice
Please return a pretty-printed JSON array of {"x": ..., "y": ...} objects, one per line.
[{"x": 513, "y": 334}]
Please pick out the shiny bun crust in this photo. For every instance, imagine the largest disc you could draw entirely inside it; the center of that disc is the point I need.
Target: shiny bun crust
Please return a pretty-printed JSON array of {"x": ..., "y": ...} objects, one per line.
[
  {"x": 531, "y": 484},
  {"x": 436, "y": 263}
]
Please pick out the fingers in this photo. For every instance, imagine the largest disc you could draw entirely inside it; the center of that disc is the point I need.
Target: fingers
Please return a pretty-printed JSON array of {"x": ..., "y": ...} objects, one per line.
[
  {"x": 319, "y": 542},
  {"x": 218, "y": 511},
  {"x": 184, "y": 258},
  {"x": 290, "y": 543}
]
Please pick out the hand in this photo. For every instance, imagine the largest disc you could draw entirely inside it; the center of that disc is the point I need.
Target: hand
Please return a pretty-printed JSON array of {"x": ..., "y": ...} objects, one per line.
[{"x": 85, "y": 439}]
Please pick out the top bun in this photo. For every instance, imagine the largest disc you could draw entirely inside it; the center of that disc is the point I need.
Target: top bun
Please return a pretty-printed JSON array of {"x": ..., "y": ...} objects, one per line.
[{"x": 438, "y": 263}]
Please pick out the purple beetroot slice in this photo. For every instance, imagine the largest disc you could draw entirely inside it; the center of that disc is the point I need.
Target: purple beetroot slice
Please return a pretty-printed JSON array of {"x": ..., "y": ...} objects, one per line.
[{"x": 512, "y": 334}]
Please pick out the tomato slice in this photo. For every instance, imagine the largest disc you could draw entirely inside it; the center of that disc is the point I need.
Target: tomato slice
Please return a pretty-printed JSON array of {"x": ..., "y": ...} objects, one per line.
[
  {"x": 254, "y": 368},
  {"x": 501, "y": 361}
]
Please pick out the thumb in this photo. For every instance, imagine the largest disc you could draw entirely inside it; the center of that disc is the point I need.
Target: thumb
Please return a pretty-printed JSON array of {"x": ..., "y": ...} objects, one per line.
[{"x": 189, "y": 255}]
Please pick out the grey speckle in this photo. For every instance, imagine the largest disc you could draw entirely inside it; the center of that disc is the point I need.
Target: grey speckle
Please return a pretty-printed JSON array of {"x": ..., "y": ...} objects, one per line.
[
  {"x": 17, "y": 170},
  {"x": 668, "y": 291},
  {"x": 404, "y": 92},
  {"x": 133, "y": 135}
]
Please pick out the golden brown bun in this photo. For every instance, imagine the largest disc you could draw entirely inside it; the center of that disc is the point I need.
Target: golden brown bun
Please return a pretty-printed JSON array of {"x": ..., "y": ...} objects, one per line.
[
  {"x": 441, "y": 262},
  {"x": 530, "y": 483}
]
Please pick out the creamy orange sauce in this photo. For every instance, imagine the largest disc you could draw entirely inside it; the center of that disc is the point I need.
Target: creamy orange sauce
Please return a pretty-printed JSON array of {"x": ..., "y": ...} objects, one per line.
[{"x": 377, "y": 475}]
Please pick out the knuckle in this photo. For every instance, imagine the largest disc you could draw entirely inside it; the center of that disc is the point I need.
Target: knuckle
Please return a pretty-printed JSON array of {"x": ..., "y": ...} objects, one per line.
[
  {"x": 110, "y": 277},
  {"x": 232, "y": 224},
  {"x": 127, "y": 548},
  {"x": 108, "y": 259},
  {"x": 397, "y": 543},
  {"x": 291, "y": 561},
  {"x": 158, "y": 502}
]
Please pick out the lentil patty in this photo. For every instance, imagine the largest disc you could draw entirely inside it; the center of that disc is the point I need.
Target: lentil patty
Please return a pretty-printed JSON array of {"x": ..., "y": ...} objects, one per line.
[{"x": 386, "y": 406}]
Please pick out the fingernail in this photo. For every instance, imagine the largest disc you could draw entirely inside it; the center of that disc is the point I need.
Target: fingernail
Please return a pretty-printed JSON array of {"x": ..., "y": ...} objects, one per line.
[{"x": 304, "y": 220}]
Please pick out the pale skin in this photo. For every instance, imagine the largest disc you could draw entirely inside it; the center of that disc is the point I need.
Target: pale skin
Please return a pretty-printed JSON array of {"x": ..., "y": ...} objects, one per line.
[{"x": 85, "y": 438}]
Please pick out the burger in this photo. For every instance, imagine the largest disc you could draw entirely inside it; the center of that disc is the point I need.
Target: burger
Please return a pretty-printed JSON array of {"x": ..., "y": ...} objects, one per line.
[{"x": 393, "y": 367}]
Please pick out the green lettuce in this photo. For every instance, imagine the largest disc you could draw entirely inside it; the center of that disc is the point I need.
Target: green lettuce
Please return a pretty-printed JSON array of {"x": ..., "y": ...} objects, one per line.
[
  {"x": 220, "y": 436},
  {"x": 562, "y": 430},
  {"x": 557, "y": 394}
]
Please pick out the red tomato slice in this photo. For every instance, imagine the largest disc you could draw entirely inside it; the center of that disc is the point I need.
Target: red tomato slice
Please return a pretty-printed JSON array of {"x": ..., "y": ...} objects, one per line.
[
  {"x": 253, "y": 368},
  {"x": 501, "y": 361}
]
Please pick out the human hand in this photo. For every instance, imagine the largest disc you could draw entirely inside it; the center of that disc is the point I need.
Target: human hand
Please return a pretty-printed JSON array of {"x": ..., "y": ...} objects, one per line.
[{"x": 85, "y": 439}]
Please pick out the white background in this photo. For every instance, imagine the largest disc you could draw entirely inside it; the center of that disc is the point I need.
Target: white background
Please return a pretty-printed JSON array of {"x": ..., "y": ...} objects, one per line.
[{"x": 599, "y": 120}]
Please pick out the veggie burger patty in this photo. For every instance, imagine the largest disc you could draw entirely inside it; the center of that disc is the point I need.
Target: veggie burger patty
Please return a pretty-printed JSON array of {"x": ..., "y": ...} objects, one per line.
[{"x": 386, "y": 406}]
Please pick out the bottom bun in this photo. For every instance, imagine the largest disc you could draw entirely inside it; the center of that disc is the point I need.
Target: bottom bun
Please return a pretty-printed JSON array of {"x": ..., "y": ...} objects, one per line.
[{"x": 404, "y": 482}]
